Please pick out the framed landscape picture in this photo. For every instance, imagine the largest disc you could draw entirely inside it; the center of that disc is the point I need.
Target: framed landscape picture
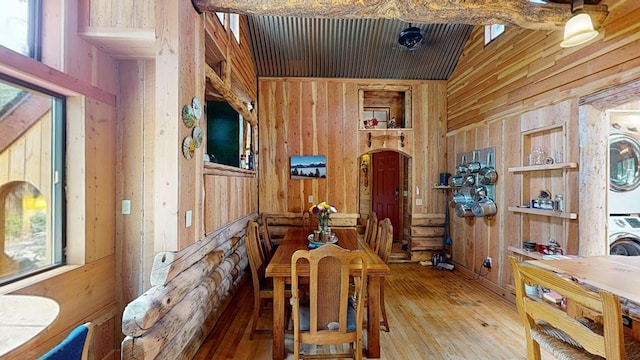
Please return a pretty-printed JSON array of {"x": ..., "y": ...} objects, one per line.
[{"x": 308, "y": 167}]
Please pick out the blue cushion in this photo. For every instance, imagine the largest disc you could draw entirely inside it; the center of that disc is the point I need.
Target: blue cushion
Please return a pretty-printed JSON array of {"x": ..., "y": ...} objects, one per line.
[
  {"x": 71, "y": 347},
  {"x": 305, "y": 318}
]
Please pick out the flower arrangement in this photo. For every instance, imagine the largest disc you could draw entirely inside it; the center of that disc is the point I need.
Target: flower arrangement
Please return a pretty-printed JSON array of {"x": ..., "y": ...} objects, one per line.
[
  {"x": 323, "y": 211},
  {"x": 371, "y": 123}
]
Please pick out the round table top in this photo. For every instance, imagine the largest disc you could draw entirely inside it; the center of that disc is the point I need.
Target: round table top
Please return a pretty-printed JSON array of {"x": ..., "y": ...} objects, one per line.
[{"x": 22, "y": 317}]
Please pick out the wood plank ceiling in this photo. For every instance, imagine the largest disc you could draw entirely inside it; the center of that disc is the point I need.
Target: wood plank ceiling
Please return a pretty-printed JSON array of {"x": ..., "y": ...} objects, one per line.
[{"x": 359, "y": 39}]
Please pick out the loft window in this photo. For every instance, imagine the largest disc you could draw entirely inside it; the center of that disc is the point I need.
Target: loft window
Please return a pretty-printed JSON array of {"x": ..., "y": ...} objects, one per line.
[
  {"x": 20, "y": 22},
  {"x": 220, "y": 16},
  {"x": 31, "y": 191},
  {"x": 491, "y": 32},
  {"x": 234, "y": 23}
]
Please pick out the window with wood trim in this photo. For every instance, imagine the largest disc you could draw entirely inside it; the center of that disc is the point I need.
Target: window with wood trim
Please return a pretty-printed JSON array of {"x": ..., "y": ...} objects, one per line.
[
  {"x": 491, "y": 32},
  {"x": 234, "y": 24},
  {"x": 20, "y": 23},
  {"x": 31, "y": 180}
]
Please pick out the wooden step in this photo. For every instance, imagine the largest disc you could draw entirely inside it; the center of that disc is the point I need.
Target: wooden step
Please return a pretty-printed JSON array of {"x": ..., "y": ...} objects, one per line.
[{"x": 398, "y": 255}]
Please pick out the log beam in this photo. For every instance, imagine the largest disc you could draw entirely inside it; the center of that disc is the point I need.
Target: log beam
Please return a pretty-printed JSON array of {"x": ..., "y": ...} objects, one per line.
[{"x": 517, "y": 13}]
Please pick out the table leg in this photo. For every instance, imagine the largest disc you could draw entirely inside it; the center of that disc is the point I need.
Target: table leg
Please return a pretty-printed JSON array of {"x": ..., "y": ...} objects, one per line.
[
  {"x": 373, "y": 320},
  {"x": 278, "y": 318}
]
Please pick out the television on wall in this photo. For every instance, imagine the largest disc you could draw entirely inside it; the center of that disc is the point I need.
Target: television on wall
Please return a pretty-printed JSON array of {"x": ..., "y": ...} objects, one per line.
[{"x": 224, "y": 132}]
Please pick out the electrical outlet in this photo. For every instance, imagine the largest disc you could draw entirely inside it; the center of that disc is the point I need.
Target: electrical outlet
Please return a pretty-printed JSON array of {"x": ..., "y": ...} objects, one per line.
[{"x": 487, "y": 262}]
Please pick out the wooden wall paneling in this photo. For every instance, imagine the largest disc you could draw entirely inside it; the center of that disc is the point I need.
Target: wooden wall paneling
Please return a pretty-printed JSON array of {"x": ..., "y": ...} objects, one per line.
[
  {"x": 338, "y": 179},
  {"x": 509, "y": 186},
  {"x": 175, "y": 176},
  {"x": 298, "y": 190},
  {"x": 593, "y": 181},
  {"x": 495, "y": 225},
  {"x": 192, "y": 83},
  {"x": 572, "y": 236},
  {"x": 349, "y": 110},
  {"x": 130, "y": 182},
  {"x": 167, "y": 130},
  {"x": 458, "y": 225},
  {"x": 530, "y": 80},
  {"x": 420, "y": 154},
  {"x": 274, "y": 171},
  {"x": 481, "y": 233},
  {"x": 100, "y": 164}
]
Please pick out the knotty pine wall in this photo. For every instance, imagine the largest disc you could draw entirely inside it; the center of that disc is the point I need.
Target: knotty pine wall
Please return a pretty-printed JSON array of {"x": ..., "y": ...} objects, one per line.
[
  {"x": 85, "y": 289},
  {"x": 523, "y": 74},
  {"x": 304, "y": 116}
]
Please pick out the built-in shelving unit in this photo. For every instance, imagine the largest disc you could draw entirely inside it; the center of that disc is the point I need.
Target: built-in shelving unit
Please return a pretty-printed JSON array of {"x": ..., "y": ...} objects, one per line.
[{"x": 551, "y": 174}]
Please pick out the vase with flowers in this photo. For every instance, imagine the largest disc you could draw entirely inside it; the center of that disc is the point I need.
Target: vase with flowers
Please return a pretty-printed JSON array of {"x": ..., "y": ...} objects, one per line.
[{"x": 323, "y": 211}]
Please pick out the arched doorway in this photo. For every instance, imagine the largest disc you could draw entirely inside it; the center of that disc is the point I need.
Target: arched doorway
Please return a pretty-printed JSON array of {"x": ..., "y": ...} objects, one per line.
[{"x": 384, "y": 188}]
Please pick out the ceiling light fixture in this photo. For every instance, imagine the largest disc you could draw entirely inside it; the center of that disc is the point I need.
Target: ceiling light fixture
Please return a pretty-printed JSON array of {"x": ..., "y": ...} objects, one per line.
[{"x": 579, "y": 28}]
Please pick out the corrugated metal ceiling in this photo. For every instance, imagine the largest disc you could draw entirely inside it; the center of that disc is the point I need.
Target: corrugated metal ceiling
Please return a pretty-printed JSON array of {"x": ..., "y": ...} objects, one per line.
[{"x": 352, "y": 48}]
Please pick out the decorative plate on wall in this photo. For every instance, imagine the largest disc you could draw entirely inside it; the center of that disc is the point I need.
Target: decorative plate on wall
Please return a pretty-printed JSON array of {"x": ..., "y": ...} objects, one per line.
[
  {"x": 197, "y": 107},
  {"x": 188, "y": 117},
  {"x": 197, "y": 136},
  {"x": 188, "y": 147}
]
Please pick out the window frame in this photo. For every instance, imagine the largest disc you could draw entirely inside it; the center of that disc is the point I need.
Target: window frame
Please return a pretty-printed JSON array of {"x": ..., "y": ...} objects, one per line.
[
  {"x": 33, "y": 40},
  {"x": 57, "y": 188},
  {"x": 492, "y": 32}
]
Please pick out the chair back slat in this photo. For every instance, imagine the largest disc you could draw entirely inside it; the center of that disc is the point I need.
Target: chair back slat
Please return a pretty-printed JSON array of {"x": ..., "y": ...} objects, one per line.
[
  {"x": 371, "y": 230},
  {"x": 256, "y": 255},
  {"x": 385, "y": 240},
  {"x": 267, "y": 244}
]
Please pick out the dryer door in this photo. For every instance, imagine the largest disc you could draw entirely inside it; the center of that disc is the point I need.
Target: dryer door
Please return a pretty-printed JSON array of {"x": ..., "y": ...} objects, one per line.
[
  {"x": 624, "y": 163},
  {"x": 624, "y": 244}
]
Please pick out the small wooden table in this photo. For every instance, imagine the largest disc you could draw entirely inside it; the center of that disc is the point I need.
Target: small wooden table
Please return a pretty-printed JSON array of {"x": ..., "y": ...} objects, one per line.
[
  {"x": 22, "y": 317},
  {"x": 280, "y": 269},
  {"x": 614, "y": 273}
]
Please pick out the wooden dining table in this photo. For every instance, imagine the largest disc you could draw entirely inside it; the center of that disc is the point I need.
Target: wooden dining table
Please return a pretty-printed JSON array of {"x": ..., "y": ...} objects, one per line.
[
  {"x": 616, "y": 274},
  {"x": 279, "y": 268},
  {"x": 23, "y": 317}
]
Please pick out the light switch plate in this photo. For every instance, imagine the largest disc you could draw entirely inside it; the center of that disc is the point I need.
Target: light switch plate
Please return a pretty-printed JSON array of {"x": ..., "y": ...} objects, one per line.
[
  {"x": 310, "y": 199},
  {"x": 188, "y": 218},
  {"x": 418, "y": 201},
  {"x": 126, "y": 207}
]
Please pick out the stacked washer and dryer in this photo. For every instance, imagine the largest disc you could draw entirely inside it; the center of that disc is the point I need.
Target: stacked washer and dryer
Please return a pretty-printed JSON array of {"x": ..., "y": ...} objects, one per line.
[{"x": 624, "y": 182}]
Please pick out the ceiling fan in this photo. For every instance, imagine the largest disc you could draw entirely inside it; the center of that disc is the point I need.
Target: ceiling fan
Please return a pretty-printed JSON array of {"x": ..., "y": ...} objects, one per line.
[{"x": 411, "y": 37}]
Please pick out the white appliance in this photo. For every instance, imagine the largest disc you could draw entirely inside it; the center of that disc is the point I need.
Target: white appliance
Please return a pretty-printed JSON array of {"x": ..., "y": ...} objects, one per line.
[
  {"x": 624, "y": 162},
  {"x": 624, "y": 235}
]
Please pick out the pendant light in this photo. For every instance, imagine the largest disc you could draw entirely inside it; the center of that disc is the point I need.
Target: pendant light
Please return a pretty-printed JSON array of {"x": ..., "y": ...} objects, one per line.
[{"x": 579, "y": 28}]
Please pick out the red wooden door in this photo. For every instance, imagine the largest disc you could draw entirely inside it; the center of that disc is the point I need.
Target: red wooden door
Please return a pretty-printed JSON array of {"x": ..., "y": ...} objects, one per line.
[{"x": 386, "y": 188}]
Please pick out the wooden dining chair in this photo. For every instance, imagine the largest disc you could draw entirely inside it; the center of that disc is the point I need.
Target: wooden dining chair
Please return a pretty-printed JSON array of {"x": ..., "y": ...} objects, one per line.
[
  {"x": 385, "y": 242},
  {"x": 262, "y": 286},
  {"x": 333, "y": 314},
  {"x": 567, "y": 337},
  {"x": 371, "y": 229},
  {"x": 267, "y": 243}
]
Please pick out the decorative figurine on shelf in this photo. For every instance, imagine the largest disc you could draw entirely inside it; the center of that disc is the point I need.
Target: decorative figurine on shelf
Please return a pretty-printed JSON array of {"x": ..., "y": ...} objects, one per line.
[
  {"x": 323, "y": 211},
  {"x": 392, "y": 123}
]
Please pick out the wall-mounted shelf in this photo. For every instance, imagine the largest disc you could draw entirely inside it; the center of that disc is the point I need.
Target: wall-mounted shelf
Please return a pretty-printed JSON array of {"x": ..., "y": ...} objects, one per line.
[
  {"x": 552, "y": 213},
  {"x": 530, "y": 254},
  {"x": 445, "y": 187},
  {"x": 569, "y": 165}
]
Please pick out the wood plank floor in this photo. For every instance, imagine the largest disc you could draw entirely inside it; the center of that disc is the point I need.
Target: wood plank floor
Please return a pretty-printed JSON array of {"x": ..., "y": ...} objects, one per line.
[{"x": 432, "y": 314}]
